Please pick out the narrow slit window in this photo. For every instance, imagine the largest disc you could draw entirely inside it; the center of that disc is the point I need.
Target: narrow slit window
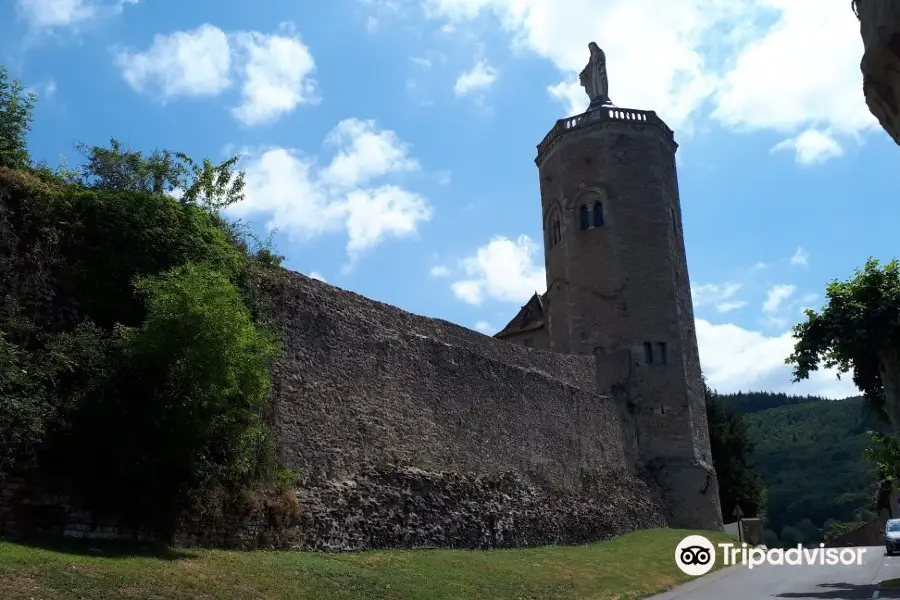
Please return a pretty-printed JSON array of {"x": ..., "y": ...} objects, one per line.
[
  {"x": 648, "y": 353},
  {"x": 598, "y": 215},
  {"x": 585, "y": 217},
  {"x": 662, "y": 353}
]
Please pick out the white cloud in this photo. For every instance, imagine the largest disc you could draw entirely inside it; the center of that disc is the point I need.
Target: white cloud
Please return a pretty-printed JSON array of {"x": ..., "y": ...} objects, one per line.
[
  {"x": 757, "y": 65},
  {"x": 305, "y": 201},
  {"x": 800, "y": 258},
  {"x": 776, "y": 297},
  {"x": 184, "y": 63},
  {"x": 439, "y": 271},
  {"x": 277, "y": 74},
  {"x": 726, "y": 307},
  {"x": 275, "y": 70},
  {"x": 811, "y": 147},
  {"x": 364, "y": 153},
  {"x": 503, "y": 270},
  {"x": 787, "y": 79},
  {"x": 479, "y": 78},
  {"x": 422, "y": 61},
  {"x": 317, "y": 275},
  {"x": 48, "y": 14},
  {"x": 483, "y": 327},
  {"x": 376, "y": 214},
  {"x": 735, "y": 359},
  {"x": 719, "y": 295}
]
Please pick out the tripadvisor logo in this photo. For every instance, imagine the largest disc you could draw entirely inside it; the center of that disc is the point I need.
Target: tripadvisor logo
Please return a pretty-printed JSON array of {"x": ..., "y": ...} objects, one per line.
[{"x": 695, "y": 555}]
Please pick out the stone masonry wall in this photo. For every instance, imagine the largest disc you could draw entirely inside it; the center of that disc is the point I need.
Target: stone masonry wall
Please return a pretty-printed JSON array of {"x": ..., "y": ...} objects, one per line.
[{"x": 375, "y": 405}]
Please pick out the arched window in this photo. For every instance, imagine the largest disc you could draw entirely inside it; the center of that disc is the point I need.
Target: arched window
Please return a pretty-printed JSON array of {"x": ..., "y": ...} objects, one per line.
[
  {"x": 585, "y": 217},
  {"x": 556, "y": 232},
  {"x": 598, "y": 215}
]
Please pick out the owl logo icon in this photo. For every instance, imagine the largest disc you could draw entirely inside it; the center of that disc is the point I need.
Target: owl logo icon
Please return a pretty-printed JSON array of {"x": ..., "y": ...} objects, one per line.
[{"x": 695, "y": 555}]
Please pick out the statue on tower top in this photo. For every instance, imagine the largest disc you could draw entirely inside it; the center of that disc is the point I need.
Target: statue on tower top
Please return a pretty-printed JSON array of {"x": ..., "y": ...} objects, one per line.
[{"x": 593, "y": 78}]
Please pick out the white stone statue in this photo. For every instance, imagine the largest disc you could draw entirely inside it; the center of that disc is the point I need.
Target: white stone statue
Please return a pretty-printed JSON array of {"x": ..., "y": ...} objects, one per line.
[{"x": 593, "y": 77}]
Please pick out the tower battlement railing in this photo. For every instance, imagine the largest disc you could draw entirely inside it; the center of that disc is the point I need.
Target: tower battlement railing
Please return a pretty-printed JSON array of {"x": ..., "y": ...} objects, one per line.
[{"x": 595, "y": 115}]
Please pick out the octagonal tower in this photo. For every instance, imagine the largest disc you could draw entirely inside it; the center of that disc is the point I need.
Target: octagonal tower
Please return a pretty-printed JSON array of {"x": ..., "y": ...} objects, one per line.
[{"x": 618, "y": 285}]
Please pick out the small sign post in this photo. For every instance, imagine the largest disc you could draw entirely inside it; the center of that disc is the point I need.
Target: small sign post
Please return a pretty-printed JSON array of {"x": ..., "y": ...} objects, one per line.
[{"x": 738, "y": 513}]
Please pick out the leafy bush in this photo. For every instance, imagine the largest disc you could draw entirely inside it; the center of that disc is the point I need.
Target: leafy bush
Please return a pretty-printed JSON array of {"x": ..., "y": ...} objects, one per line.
[
  {"x": 186, "y": 412},
  {"x": 40, "y": 390},
  {"x": 132, "y": 366}
]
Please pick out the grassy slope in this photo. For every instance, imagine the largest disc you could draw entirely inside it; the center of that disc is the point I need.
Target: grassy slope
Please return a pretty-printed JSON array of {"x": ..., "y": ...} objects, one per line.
[{"x": 633, "y": 566}]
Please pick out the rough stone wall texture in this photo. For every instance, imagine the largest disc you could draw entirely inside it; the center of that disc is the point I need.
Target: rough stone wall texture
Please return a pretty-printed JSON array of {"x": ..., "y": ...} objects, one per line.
[
  {"x": 364, "y": 387},
  {"x": 409, "y": 507},
  {"x": 365, "y": 384},
  {"x": 880, "y": 65}
]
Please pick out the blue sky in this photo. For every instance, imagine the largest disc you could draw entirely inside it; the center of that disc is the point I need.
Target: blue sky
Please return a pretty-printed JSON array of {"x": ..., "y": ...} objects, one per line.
[{"x": 391, "y": 142}]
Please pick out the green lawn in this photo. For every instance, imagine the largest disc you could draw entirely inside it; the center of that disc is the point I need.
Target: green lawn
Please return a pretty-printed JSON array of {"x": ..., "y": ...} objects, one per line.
[{"x": 633, "y": 566}]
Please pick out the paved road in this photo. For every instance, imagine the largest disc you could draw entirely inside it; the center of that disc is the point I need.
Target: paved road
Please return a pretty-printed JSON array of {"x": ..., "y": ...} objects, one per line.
[{"x": 804, "y": 582}]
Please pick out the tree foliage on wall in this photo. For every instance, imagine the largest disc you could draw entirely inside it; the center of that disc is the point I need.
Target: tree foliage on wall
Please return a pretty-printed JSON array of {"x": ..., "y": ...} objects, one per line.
[{"x": 132, "y": 364}]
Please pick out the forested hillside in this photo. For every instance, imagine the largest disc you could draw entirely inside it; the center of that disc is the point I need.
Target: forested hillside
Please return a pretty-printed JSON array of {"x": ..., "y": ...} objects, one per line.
[
  {"x": 810, "y": 454},
  {"x": 751, "y": 402}
]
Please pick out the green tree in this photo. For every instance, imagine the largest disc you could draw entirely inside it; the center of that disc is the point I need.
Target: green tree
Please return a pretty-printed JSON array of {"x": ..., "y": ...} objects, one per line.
[
  {"x": 187, "y": 410},
  {"x": 858, "y": 331},
  {"x": 206, "y": 184},
  {"x": 40, "y": 389},
  {"x": 16, "y": 113},
  {"x": 770, "y": 539},
  {"x": 739, "y": 484}
]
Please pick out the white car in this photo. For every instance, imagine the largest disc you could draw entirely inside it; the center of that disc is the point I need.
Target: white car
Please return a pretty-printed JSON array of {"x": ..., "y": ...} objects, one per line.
[{"x": 892, "y": 536}]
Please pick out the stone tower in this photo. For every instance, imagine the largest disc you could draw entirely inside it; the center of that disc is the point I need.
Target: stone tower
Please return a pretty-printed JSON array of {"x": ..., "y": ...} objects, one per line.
[{"x": 618, "y": 287}]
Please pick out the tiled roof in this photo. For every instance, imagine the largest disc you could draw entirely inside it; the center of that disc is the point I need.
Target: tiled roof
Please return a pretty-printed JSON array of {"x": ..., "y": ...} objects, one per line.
[{"x": 530, "y": 316}]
